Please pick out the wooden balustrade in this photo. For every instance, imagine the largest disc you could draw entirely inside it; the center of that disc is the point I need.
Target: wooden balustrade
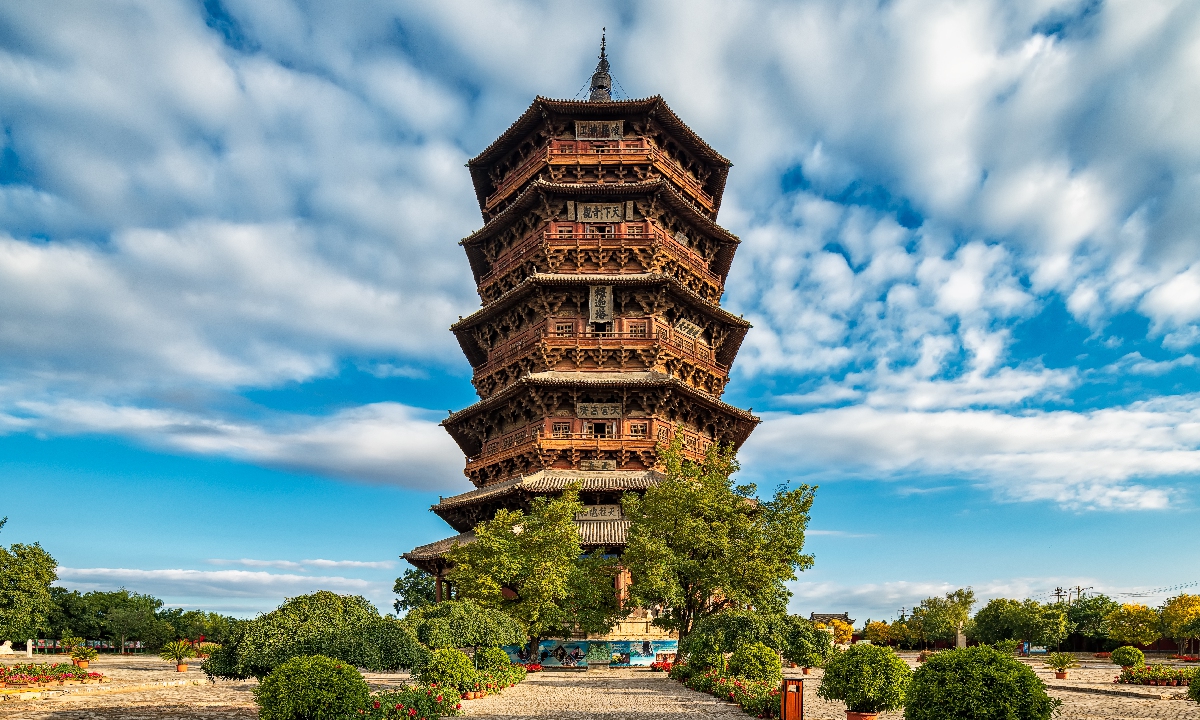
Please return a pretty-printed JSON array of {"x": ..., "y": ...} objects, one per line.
[
  {"x": 616, "y": 438},
  {"x": 599, "y": 152}
]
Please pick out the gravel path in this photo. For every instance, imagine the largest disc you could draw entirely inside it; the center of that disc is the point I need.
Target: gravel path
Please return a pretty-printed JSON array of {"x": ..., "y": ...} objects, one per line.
[{"x": 597, "y": 694}]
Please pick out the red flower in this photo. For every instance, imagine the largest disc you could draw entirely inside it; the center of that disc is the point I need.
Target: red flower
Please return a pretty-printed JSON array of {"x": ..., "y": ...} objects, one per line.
[
  {"x": 376, "y": 705},
  {"x": 458, "y": 706},
  {"x": 412, "y": 711},
  {"x": 439, "y": 698}
]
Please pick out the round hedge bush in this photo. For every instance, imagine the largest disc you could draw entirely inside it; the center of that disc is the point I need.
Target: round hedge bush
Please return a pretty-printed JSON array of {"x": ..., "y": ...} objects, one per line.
[
  {"x": 311, "y": 687},
  {"x": 868, "y": 678},
  {"x": 449, "y": 667},
  {"x": 1128, "y": 656},
  {"x": 491, "y": 658},
  {"x": 756, "y": 661},
  {"x": 977, "y": 682}
]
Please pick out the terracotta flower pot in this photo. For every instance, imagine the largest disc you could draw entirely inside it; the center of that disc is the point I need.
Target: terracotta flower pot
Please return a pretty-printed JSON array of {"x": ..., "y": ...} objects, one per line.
[
  {"x": 1060, "y": 674},
  {"x": 181, "y": 667},
  {"x": 82, "y": 664},
  {"x": 806, "y": 671},
  {"x": 861, "y": 716}
]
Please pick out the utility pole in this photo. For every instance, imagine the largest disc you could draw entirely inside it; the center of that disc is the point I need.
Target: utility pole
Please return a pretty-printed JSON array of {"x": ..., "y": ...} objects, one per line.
[{"x": 1059, "y": 594}]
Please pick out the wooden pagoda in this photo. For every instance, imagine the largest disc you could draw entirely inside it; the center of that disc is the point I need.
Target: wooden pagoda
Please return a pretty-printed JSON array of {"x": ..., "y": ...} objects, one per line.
[{"x": 600, "y": 268}]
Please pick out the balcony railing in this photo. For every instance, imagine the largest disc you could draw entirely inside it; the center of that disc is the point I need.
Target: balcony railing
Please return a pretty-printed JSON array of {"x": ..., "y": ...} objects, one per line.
[
  {"x": 547, "y": 239},
  {"x": 656, "y": 333},
  {"x": 599, "y": 152},
  {"x": 530, "y": 436}
]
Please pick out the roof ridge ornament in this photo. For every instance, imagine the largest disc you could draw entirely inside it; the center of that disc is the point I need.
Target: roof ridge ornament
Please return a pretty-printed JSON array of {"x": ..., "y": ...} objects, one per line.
[{"x": 601, "y": 80}]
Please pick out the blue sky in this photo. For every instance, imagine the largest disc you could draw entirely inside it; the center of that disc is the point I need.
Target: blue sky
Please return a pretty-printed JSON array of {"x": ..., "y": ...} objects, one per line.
[{"x": 969, "y": 250}]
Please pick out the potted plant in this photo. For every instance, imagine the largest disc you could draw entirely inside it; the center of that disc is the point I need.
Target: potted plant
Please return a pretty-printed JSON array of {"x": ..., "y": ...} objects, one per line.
[
  {"x": 1128, "y": 656},
  {"x": 68, "y": 644},
  {"x": 1061, "y": 662},
  {"x": 868, "y": 678},
  {"x": 178, "y": 652},
  {"x": 81, "y": 655}
]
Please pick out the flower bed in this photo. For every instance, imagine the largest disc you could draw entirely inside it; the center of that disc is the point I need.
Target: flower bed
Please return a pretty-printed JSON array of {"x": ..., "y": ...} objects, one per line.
[
  {"x": 490, "y": 682},
  {"x": 1104, "y": 655},
  {"x": 413, "y": 702},
  {"x": 27, "y": 674},
  {"x": 1155, "y": 675},
  {"x": 756, "y": 697},
  {"x": 1186, "y": 658},
  {"x": 664, "y": 666},
  {"x": 531, "y": 667}
]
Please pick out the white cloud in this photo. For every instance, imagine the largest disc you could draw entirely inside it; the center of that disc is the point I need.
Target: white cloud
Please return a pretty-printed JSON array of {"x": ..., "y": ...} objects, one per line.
[
  {"x": 384, "y": 564},
  {"x": 212, "y": 583},
  {"x": 304, "y": 564},
  {"x": 382, "y": 442},
  {"x": 1126, "y": 458}
]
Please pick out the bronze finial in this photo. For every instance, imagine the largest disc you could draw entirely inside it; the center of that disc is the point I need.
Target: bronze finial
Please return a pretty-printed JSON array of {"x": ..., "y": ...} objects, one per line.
[{"x": 601, "y": 80}]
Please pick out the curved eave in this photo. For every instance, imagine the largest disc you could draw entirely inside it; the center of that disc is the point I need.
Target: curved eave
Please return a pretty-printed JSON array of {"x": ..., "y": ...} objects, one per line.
[
  {"x": 534, "y": 190},
  {"x": 535, "y": 114},
  {"x": 477, "y": 355},
  {"x": 470, "y": 446}
]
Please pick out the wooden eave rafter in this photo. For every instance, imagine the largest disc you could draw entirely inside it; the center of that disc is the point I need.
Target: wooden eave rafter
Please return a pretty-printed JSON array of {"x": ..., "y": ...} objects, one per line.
[
  {"x": 478, "y": 356},
  {"x": 531, "y": 196},
  {"x": 536, "y": 114},
  {"x": 618, "y": 380}
]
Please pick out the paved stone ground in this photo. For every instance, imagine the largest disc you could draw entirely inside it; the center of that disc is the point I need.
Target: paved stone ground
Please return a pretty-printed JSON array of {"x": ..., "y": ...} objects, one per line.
[{"x": 599, "y": 694}]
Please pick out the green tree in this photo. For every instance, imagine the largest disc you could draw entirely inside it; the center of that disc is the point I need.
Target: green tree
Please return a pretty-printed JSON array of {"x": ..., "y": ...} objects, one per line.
[
  {"x": 994, "y": 621},
  {"x": 134, "y": 619},
  {"x": 699, "y": 544},
  {"x": 26, "y": 572},
  {"x": 530, "y": 565},
  {"x": 1180, "y": 617},
  {"x": 1087, "y": 615},
  {"x": 1133, "y": 623},
  {"x": 463, "y": 623},
  {"x": 942, "y": 618},
  {"x": 416, "y": 588}
]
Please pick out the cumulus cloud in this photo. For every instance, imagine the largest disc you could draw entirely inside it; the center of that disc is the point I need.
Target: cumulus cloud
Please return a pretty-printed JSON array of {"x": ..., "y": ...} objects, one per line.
[
  {"x": 213, "y": 583},
  {"x": 1113, "y": 458}
]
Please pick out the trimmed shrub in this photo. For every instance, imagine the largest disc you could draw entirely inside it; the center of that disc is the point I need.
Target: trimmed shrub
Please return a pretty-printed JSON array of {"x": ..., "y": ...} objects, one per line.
[
  {"x": 449, "y": 667},
  {"x": 756, "y": 661},
  {"x": 868, "y": 678},
  {"x": 311, "y": 688},
  {"x": 491, "y": 658},
  {"x": 462, "y": 623},
  {"x": 1194, "y": 688},
  {"x": 345, "y": 627},
  {"x": 977, "y": 682},
  {"x": 804, "y": 644},
  {"x": 1128, "y": 656}
]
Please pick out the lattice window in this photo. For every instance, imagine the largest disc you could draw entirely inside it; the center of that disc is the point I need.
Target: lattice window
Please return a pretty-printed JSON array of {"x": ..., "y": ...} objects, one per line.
[
  {"x": 639, "y": 429},
  {"x": 637, "y": 328},
  {"x": 633, "y": 229},
  {"x": 562, "y": 430},
  {"x": 566, "y": 230},
  {"x": 600, "y": 229},
  {"x": 664, "y": 434},
  {"x": 564, "y": 329}
]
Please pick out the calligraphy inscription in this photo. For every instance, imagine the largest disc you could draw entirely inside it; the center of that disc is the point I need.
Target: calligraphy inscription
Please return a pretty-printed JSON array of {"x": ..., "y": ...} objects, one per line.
[
  {"x": 599, "y": 212},
  {"x": 600, "y": 307},
  {"x": 689, "y": 329},
  {"x": 599, "y": 129},
  {"x": 599, "y": 512},
  {"x": 598, "y": 410}
]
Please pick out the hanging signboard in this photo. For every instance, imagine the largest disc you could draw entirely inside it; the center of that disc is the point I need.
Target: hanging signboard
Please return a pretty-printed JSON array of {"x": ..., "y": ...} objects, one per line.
[
  {"x": 599, "y": 512},
  {"x": 597, "y": 464},
  {"x": 599, "y": 129},
  {"x": 598, "y": 410},
  {"x": 689, "y": 329},
  {"x": 600, "y": 304},
  {"x": 599, "y": 212}
]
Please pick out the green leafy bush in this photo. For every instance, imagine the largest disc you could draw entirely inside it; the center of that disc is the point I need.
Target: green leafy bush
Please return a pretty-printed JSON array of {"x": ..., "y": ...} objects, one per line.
[
  {"x": 1061, "y": 661},
  {"x": 83, "y": 652},
  {"x": 345, "y": 627},
  {"x": 462, "y": 623},
  {"x": 413, "y": 702},
  {"x": 705, "y": 653},
  {"x": 1128, "y": 656},
  {"x": 449, "y": 667},
  {"x": 805, "y": 645},
  {"x": 177, "y": 652},
  {"x": 868, "y": 678},
  {"x": 977, "y": 682},
  {"x": 1008, "y": 647},
  {"x": 311, "y": 688},
  {"x": 1193, "y": 692},
  {"x": 756, "y": 661},
  {"x": 491, "y": 658}
]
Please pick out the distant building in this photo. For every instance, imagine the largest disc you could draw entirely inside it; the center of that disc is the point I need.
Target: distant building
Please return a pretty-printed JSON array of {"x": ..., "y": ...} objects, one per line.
[{"x": 825, "y": 618}]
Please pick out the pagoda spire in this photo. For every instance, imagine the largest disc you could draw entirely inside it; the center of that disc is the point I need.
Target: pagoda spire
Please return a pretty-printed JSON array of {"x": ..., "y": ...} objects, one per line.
[{"x": 601, "y": 80}]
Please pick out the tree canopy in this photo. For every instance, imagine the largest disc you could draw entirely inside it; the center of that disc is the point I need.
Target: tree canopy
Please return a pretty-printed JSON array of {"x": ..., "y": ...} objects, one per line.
[
  {"x": 26, "y": 572},
  {"x": 942, "y": 618},
  {"x": 416, "y": 589},
  {"x": 1133, "y": 623},
  {"x": 531, "y": 566},
  {"x": 463, "y": 623},
  {"x": 699, "y": 544}
]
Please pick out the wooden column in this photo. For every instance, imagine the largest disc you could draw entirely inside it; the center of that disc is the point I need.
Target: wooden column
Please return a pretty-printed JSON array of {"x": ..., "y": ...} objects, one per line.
[{"x": 437, "y": 591}]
